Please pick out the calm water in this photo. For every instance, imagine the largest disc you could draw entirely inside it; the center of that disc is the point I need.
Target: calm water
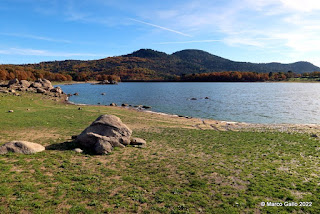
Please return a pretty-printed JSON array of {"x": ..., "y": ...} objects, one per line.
[{"x": 244, "y": 102}]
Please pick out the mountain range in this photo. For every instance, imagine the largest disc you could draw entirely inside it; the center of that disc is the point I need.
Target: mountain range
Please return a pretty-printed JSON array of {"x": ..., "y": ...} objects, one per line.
[{"x": 147, "y": 64}]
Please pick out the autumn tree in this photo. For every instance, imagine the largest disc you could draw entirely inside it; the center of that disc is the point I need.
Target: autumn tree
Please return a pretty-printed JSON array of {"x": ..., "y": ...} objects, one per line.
[{"x": 4, "y": 75}]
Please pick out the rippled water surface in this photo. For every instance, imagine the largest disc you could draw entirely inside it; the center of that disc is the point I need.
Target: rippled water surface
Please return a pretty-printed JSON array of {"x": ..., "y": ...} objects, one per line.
[{"x": 244, "y": 102}]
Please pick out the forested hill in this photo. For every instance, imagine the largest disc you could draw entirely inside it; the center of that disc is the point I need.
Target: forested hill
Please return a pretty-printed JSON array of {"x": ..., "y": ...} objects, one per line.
[
  {"x": 147, "y": 64},
  {"x": 197, "y": 61}
]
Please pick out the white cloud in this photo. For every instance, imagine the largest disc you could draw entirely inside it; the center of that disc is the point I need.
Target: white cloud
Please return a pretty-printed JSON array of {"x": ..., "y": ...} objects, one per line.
[
  {"x": 187, "y": 42},
  {"x": 35, "y": 37},
  {"x": 35, "y": 52},
  {"x": 301, "y": 5}
]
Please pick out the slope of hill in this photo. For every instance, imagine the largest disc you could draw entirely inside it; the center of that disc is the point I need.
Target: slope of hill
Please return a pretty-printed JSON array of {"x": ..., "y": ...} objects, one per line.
[
  {"x": 147, "y": 64},
  {"x": 197, "y": 61}
]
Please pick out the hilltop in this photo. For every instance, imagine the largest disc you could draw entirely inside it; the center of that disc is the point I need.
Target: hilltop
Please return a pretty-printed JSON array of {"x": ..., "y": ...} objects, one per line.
[{"x": 198, "y": 61}]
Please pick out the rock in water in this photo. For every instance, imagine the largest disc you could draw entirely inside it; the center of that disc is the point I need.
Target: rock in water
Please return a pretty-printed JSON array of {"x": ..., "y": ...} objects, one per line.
[
  {"x": 23, "y": 147},
  {"x": 106, "y": 132}
]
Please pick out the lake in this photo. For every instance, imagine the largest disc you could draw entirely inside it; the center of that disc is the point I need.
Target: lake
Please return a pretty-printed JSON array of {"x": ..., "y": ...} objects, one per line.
[{"x": 243, "y": 102}]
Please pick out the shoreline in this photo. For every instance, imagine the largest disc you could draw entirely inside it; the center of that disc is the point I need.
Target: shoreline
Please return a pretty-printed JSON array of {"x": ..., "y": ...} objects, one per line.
[
  {"x": 220, "y": 125},
  {"x": 168, "y": 81}
]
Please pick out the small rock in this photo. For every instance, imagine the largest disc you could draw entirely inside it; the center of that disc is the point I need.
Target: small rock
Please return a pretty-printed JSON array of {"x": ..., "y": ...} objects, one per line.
[
  {"x": 124, "y": 104},
  {"x": 23, "y": 147},
  {"x": 138, "y": 142},
  {"x": 78, "y": 150},
  {"x": 146, "y": 107}
]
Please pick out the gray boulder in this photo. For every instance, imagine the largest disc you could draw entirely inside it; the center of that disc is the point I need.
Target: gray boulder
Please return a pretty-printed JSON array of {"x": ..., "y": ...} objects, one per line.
[
  {"x": 106, "y": 132},
  {"x": 23, "y": 147},
  {"x": 13, "y": 82}
]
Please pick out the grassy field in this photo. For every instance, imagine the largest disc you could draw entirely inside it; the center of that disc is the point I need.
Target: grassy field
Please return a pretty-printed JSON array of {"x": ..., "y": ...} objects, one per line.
[{"x": 182, "y": 170}]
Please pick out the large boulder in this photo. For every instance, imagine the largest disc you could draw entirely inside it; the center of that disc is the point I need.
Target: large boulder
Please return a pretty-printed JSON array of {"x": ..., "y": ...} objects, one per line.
[
  {"x": 36, "y": 85},
  {"x": 23, "y": 147},
  {"x": 57, "y": 90},
  {"x": 46, "y": 84},
  {"x": 25, "y": 83},
  {"x": 106, "y": 132}
]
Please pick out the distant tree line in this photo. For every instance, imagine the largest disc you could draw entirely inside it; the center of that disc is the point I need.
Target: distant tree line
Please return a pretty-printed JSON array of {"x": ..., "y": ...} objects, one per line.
[
  {"x": 315, "y": 74},
  {"x": 236, "y": 76},
  {"x": 8, "y": 72},
  {"x": 122, "y": 73}
]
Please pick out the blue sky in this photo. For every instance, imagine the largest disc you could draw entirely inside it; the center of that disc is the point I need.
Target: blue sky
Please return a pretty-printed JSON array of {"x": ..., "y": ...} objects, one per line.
[{"x": 242, "y": 30}]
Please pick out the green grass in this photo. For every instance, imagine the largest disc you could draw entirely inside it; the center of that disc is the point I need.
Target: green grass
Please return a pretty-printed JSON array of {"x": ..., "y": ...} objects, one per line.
[
  {"x": 181, "y": 170},
  {"x": 316, "y": 80}
]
